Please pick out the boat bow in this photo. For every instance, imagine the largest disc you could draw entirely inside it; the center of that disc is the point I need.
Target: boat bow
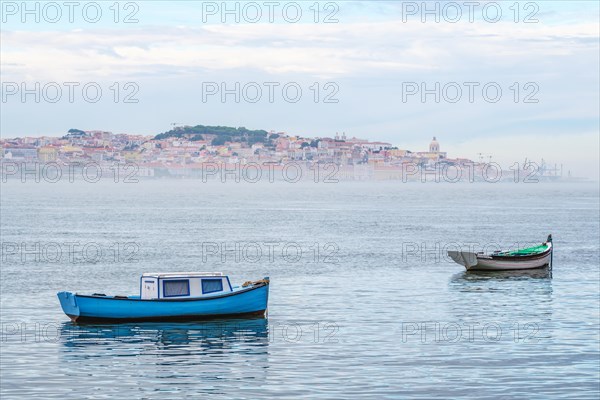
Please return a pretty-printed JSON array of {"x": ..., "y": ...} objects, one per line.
[{"x": 465, "y": 258}]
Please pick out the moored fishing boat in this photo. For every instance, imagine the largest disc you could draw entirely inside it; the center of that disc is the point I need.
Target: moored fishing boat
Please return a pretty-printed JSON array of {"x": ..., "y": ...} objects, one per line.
[
  {"x": 171, "y": 296},
  {"x": 528, "y": 258}
]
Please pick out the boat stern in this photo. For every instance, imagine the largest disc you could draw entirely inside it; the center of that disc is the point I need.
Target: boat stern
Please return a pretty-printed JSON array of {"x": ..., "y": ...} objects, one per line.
[{"x": 69, "y": 305}]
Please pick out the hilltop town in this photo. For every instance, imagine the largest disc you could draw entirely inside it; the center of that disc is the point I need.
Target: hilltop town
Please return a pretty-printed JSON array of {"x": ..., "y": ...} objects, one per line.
[{"x": 186, "y": 150}]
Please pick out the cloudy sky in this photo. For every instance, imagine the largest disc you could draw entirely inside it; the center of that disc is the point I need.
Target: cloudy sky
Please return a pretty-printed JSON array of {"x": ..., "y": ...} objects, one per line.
[{"x": 361, "y": 68}]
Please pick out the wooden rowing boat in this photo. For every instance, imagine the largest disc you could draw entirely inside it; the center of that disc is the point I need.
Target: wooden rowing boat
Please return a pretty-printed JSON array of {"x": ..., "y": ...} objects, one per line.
[{"x": 528, "y": 258}]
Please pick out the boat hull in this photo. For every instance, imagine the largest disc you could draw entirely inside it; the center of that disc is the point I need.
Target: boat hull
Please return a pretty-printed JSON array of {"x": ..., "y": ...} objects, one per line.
[
  {"x": 80, "y": 308},
  {"x": 494, "y": 264},
  {"x": 480, "y": 262}
]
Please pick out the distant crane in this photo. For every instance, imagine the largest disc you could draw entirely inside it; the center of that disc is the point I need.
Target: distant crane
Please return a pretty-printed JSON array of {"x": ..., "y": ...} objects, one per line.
[{"x": 482, "y": 156}]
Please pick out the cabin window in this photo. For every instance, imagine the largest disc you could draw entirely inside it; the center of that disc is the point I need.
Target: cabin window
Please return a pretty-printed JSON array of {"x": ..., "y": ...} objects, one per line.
[
  {"x": 212, "y": 285},
  {"x": 173, "y": 288}
]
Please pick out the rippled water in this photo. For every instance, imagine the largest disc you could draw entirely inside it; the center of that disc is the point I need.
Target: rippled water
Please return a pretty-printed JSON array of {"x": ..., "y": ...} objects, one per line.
[{"x": 376, "y": 311}]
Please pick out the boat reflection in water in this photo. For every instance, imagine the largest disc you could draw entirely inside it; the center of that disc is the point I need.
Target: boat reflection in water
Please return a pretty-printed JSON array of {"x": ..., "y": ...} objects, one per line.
[
  {"x": 530, "y": 284},
  {"x": 216, "y": 351},
  {"x": 523, "y": 274},
  {"x": 202, "y": 335}
]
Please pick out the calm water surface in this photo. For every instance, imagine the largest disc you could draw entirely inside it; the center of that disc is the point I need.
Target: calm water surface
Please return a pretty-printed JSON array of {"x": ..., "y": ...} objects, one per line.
[{"x": 363, "y": 302}]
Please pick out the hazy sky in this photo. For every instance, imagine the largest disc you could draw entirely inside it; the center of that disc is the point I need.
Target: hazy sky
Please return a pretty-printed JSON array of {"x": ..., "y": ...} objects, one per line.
[{"x": 373, "y": 58}]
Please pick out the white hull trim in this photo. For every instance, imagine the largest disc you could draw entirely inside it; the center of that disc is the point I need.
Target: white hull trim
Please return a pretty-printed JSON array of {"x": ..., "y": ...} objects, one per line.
[{"x": 484, "y": 264}]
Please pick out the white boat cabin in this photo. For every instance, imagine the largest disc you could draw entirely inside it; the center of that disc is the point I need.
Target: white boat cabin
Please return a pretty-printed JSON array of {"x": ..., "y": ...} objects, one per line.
[{"x": 181, "y": 285}]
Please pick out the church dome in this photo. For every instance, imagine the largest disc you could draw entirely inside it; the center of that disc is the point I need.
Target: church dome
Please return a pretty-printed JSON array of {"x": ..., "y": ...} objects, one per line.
[{"x": 434, "y": 146}]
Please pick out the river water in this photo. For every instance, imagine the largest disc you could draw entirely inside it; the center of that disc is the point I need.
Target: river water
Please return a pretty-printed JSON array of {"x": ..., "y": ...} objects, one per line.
[{"x": 363, "y": 301}]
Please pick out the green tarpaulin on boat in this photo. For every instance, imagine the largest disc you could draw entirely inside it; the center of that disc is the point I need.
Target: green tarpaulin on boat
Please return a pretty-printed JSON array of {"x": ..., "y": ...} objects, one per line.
[{"x": 525, "y": 252}]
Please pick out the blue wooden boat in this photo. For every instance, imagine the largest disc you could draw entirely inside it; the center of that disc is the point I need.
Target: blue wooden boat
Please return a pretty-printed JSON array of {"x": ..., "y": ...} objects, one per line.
[{"x": 171, "y": 296}]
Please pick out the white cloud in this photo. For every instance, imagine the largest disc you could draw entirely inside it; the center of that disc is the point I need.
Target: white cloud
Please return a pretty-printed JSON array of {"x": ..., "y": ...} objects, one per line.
[{"x": 333, "y": 50}]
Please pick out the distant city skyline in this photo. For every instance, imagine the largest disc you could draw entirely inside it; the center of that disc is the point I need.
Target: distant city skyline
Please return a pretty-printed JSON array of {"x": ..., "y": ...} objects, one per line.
[
  {"x": 195, "y": 151},
  {"x": 482, "y": 156}
]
